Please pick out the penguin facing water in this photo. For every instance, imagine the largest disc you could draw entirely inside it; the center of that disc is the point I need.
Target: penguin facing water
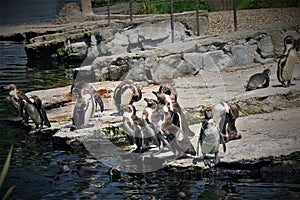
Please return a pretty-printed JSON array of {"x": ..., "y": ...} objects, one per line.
[
  {"x": 259, "y": 80},
  {"x": 127, "y": 92},
  {"x": 28, "y": 107},
  {"x": 286, "y": 64}
]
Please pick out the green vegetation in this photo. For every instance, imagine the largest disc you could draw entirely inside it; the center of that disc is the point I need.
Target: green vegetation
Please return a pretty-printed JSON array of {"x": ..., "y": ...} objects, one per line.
[
  {"x": 163, "y": 6},
  {"x": 4, "y": 173},
  {"x": 254, "y": 4}
]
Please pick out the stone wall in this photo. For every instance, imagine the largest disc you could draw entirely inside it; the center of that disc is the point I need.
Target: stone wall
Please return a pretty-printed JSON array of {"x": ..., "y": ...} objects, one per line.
[{"x": 189, "y": 56}]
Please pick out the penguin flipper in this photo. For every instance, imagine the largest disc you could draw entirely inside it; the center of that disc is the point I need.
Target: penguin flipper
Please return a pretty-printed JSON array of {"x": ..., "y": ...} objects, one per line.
[
  {"x": 222, "y": 141},
  {"x": 99, "y": 101},
  {"x": 45, "y": 118},
  {"x": 128, "y": 130}
]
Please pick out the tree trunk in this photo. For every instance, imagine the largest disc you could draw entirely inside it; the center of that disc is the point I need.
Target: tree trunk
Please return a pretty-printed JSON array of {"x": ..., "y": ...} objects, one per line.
[{"x": 86, "y": 6}]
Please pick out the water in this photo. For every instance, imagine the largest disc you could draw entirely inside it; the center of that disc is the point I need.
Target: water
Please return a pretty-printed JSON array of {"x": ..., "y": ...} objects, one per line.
[{"x": 35, "y": 164}]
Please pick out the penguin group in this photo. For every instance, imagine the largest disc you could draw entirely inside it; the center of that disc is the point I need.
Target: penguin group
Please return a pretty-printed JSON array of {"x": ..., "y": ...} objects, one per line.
[
  {"x": 285, "y": 67},
  {"x": 162, "y": 122},
  {"x": 27, "y": 107}
]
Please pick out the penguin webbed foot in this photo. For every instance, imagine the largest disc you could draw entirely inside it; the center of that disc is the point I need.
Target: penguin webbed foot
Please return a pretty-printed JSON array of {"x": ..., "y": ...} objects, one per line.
[
  {"x": 206, "y": 161},
  {"x": 216, "y": 159}
]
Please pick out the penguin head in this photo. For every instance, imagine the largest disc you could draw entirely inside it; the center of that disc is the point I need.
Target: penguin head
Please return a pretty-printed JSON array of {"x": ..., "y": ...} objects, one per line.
[
  {"x": 115, "y": 173},
  {"x": 289, "y": 42},
  {"x": 10, "y": 87},
  {"x": 128, "y": 108},
  {"x": 150, "y": 102},
  {"x": 267, "y": 72}
]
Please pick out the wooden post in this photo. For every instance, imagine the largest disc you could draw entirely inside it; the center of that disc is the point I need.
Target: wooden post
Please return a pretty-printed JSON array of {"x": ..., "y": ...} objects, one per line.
[
  {"x": 130, "y": 10},
  {"x": 108, "y": 12},
  {"x": 197, "y": 17},
  {"x": 86, "y": 6},
  {"x": 234, "y": 15},
  {"x": 172, "y": 20}
]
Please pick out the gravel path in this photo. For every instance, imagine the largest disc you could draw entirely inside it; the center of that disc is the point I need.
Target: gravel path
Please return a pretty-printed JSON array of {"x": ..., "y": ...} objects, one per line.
[{"x": 222, "y": 21}]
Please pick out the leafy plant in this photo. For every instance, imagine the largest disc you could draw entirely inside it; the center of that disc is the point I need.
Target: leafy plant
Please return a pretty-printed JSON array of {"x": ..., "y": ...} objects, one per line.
[{"x": 4, "y": 173}]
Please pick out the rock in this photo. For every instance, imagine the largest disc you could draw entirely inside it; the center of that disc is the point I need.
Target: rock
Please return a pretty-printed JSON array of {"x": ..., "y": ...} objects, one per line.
[{"x": 188, "y": 57}]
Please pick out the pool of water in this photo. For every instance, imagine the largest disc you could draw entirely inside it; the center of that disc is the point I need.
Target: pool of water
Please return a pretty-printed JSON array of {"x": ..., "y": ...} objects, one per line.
[{"x": 35, "y": 163}]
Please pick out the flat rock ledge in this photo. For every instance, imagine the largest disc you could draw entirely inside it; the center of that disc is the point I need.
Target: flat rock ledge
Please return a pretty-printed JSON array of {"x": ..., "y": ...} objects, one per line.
[{"x": 268, "y": 122}]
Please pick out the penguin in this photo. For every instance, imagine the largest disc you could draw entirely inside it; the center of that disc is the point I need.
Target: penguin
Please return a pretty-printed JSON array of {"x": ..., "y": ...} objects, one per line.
[
  {"x": 225, "y": 115},
  {"x": 29, "y": 107},
  {"x": 152, "y": 118},
  {"x": 179, "y": 142},
  {"x": 168, "y": 95},
  {"x": 126, "y": 93},
  {"x": 16, "y": 100},
  {"x": 84, "y": 107},
  {"x": 92, "y": 90},
  {"x": 133, "y": 126},
  {"x": 210, "y": 141},
  {"x": 13, "y": 104},
  {"x": 286, "y": 63},
  {"x": 42, "y": 111},
  {"x": 259, "y": 80}
]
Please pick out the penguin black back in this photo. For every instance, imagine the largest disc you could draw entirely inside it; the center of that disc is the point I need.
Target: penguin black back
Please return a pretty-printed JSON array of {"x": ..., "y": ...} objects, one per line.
[{"x": 259, "y": 80}]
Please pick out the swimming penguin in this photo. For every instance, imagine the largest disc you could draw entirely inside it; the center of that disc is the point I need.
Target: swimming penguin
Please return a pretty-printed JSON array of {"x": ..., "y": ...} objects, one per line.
[
  {"x": 168, "y": 95},
  {"x": 286, "y": 64},
  {"x": 225, "y": 114},
  {"x": 259, "y": 80},
  {"x": 84, "y": 107},
  {"x": 29, "y": 107},
  {"x": 126, "y": 93},
  {"x": 210, "y": 141},
  {"x": 133, "y": 126}
]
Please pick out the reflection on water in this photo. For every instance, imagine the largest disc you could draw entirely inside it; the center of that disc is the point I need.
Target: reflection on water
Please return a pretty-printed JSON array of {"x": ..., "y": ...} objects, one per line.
[{"x": 35, "y": 164}]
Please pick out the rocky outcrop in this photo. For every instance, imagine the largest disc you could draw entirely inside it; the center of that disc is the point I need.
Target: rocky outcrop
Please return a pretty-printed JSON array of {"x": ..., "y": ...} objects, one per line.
[{"x": 187, "y": 57}]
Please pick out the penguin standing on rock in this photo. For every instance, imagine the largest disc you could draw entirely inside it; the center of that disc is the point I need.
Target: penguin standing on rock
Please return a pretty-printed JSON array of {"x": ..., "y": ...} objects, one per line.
[
  {"x": 134, "y": 128},
  {"x": 87, "y": 99},
  {"x": 259, "y": 80},
  {"x": 225, "y": 115},
  {"x": 286, "y": 64},
  {"x": 168, "y": 95},
  {"x": 126, "y": 93},
  {"x": 210, "y": 140},
  {"x": 28, "y": 107}
]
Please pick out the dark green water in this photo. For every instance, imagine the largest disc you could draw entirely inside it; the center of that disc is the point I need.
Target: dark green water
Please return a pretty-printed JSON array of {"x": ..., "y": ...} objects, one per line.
[{"x": 35, "y": 171}]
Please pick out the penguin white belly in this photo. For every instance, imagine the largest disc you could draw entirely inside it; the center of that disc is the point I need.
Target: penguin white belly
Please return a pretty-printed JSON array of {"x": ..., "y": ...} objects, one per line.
[
  {"x": 33, "y": 113},
  {"x": 89, "y": 109},
  {"x": 287, "y": 71},
  {"x": 211, "y": 140},
  {"x": 126, "y": 96}
]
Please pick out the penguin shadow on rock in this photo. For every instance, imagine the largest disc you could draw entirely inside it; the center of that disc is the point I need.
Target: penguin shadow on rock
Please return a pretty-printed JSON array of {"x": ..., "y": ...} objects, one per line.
[
  {"x": 287, "y": 61},
  {"x": 87, "y": 100},
  {"x": 27, "y": 107}
]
